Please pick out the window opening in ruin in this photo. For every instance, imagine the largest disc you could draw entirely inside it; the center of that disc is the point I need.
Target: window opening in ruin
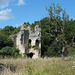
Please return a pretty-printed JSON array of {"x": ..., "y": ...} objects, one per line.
[
  {"x": 21, "y": 39},
  {"x": 36, "y": 45},
  {"x": 39, "y": 34},
  {"x": 29, "y": 45},
  {"x": 37, "y": 42},
  {"x": 36, "y": 28}
]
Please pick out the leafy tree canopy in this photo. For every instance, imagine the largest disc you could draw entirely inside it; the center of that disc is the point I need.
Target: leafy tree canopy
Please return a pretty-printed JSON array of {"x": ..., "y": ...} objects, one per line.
[{"x": 5, "y": 41}]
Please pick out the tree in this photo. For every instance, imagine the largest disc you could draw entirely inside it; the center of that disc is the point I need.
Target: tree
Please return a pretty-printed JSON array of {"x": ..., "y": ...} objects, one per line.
[
  {"x": 8, "y": 30},
  {"x": 5, "y": 41},
  {"x": 58, "y": 21},
  {"x": 60, "y": 18},
  {"x": 70, "y": 32},
  {"x": 16, "y": 30},
  {"x": 46, "y": 38},
  {"x": 50, "y": 52}
]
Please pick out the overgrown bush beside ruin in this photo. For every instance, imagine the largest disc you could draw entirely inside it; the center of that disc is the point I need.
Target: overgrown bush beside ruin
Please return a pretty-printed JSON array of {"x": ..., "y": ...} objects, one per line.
[{"x": 9, "y": 52}]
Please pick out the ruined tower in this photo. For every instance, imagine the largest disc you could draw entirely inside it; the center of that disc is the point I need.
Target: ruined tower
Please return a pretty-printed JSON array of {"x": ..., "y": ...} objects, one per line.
[
  {"x": 35, "y": 41},
  {"x": 28, "y": 42}
]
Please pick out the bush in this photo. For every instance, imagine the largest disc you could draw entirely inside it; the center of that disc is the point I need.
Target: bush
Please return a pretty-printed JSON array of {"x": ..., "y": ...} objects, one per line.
[
  {"x": 36, "y": 47},
  {"x": 29, "y": 45},
  {"x": 71, "y": 51},
  {"x": 9, "y": 51},
  {"x": 49, "y": 52}
]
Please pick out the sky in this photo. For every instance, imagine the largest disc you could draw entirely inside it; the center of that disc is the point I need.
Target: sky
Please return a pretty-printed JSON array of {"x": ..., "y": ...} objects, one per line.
[{"x": 16, "y": 12}]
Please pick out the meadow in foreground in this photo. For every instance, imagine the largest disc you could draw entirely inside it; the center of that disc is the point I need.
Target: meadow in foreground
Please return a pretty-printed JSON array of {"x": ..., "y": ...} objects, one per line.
[{"x": 47, "y": 66}]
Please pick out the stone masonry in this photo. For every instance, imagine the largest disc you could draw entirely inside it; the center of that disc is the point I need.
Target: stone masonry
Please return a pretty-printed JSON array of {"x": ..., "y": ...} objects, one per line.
[{"x": 28, "y": 42}]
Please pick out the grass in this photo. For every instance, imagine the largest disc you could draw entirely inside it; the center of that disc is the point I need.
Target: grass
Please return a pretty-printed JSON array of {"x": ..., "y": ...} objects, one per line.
[{"x": 47, "y": 66}]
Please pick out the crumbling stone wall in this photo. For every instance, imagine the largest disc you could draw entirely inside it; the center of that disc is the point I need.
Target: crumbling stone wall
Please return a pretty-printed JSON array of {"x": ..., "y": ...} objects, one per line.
[
  {"x": 35, "y": 38},
  {"x": 21, "y": 41},
  {"x": 22, "y": 38}
]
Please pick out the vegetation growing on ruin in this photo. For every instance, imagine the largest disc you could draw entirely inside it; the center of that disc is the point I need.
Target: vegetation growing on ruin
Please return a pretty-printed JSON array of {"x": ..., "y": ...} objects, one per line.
[{"x": 36, "y": 48}]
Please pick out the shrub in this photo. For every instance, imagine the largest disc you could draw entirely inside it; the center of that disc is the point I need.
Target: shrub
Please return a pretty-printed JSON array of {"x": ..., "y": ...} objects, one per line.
[
  {"x": 71, "y": 51},
  {"x": 36, "y": 47},
  {"x": 50, "y": 52},
  {"x": 9, "y": 51},
  {"x": 29, "y": 45}
]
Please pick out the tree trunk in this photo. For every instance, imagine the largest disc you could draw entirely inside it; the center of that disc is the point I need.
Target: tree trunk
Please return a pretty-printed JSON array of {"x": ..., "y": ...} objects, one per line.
[{"x": 63, "y": 50}]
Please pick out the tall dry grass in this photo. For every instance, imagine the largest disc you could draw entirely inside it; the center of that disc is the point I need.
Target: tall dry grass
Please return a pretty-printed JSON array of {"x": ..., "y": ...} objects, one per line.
[{"x": 49, "y": 66}]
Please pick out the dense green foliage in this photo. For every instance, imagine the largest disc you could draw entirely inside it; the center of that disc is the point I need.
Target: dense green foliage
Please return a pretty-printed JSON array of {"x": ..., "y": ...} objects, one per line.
[
  {"x": 52, "y": 45},
  {"x": 16, "y": 30},
  {"x": 9, "y": 51},
  {"x": 58, "y": 32},
  {"x": 8, "y": 30},
  {"x": 5, "y": 41}
]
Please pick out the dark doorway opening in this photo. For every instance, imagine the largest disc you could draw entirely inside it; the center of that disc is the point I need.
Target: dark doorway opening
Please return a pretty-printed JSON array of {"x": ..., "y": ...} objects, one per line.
[{"x": 30, "y": 55}]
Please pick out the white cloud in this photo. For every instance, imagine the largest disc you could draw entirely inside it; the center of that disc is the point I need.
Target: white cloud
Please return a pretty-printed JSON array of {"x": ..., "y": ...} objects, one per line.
[
  {"x": 20, "y": 2},
  {"x": 17, "y": 25},
  {"x": 73, "y": 18},
  {"x": 5, "y": 14},
  {"x": 4, "y": 3}
]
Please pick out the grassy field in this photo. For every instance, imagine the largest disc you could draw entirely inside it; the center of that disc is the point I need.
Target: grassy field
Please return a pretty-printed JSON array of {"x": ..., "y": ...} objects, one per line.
[{"x": 47, "y": 66}]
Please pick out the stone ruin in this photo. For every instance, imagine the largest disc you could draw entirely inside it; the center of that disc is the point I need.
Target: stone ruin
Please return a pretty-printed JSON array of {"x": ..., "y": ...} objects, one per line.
[{"x": 28, "y": 41}]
